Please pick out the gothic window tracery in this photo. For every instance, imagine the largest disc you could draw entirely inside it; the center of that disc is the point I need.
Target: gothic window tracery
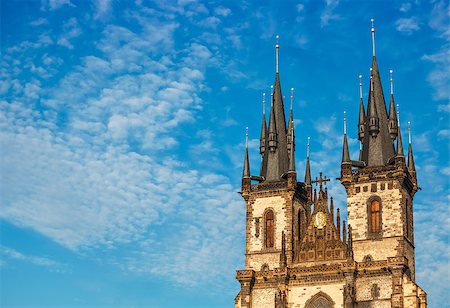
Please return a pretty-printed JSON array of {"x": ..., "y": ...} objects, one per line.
[
  {"x": 270, "y": 229},
  {"x": 320, "y": 300}
]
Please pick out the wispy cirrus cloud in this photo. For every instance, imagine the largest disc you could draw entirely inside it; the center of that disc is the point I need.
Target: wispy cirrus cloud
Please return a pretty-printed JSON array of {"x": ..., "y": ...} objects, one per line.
[
  {"x": 407, "y": 25},
  {"x": 12, "y": 254},
  {"x": 93, "y": 167},
  {"x": 329, "y": 13}
]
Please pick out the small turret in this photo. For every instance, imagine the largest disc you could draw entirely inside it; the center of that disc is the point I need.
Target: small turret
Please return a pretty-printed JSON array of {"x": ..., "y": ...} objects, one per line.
[
  {"x": 308, "y": 184},
  {"x": 246, "y": 178},
  {"x": 290, "y": 130},
  {"x": 292, "y": 152},
  {"x": 272, "y": 131},
  {"x": 374, "y": 121},
  {"x": 246, "y": 170},
  {"x": 411, "y": 165},
  {"x": 346, "y": 163},
  {"x": 393, "y": 126},
  {"x": 362, "y": 113},
  {"x": 263, "y": 138},
  {"x": 400, "y": 155}
]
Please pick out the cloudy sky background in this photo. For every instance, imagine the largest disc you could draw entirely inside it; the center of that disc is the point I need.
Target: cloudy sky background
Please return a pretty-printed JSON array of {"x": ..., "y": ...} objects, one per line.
[{"x": 122, "y": 131}]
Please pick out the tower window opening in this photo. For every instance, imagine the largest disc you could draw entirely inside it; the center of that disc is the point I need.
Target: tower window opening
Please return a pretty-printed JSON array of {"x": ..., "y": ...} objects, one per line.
[
  {"x": 270, "y": 229},
  {"x": 375, "y": 216}
]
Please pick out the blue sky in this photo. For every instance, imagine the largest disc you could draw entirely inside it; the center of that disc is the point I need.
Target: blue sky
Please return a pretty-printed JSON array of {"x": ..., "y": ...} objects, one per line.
[{"x": 122, "y": 135}]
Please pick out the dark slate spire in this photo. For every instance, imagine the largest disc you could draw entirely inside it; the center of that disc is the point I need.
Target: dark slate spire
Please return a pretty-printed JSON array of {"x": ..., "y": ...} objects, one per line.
[
  {"x": 362, "y": 113},
  {"x": 272, "y": 132},
  {"x": 400, "y": 152},
  {"x": 345, "y": 152},
  {"x": 246, "y": 171},
  {"x": 411, "y": 166},
  {"x": 308, "y": 168},
  {"x": 290, "y": 128},
  {"x": 277, "y": 157},
  {"x": 393, "y": 126},
  {"x": 292, "y": 152},
  {"x": 372, "y": 114},
  {"x": 378, "y": 147}
]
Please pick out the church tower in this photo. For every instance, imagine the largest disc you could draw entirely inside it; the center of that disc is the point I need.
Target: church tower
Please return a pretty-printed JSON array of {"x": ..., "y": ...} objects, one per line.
[
  {"x": 298, "y": 251},
  {"x": 380, "y": 188}
]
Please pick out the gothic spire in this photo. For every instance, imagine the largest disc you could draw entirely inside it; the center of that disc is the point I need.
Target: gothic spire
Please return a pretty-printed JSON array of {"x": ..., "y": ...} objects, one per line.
[
  {"x": 393, "y": 126},
  {"x": 290, "y": 129},
  {"x": 378, "y": 147},
  {"x": 277, "y": 157},
  {"x": 345, "y": 152},
  {"x": 292, "y": 152},
  {"x": 263, "y": 141},
  {"x": 411, "y": 166},
  {"x": 372, "y": 114},
  {"x": 362, "y": 113},
  {"x": 400, "y": 152},
  {"x": 308, "y": 168},
  {"x": 246, "y": 171}
]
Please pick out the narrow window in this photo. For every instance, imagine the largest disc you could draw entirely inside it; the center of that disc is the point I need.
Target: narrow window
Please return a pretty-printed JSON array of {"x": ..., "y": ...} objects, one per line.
[
  {"x": 269, "y": 229},
  {"x": 375, "y": 213}
]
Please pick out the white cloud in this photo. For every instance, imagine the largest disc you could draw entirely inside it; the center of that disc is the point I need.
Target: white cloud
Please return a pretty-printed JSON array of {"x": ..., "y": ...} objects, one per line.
[
  {"x": 405, "y": 7},
  {"x": 107, "y": 176},
  {"x": 102, "y": 9},
  {"x": 439, "y": 77},
  {"x": 328, "y": 13},
  {"x": 13, "y": 254},
  {"x": 407, "y": 25},
  {"x": 71, "y": 30},
  {"x": 222, "y": 11},
  {"x": 55, "y": 4}
]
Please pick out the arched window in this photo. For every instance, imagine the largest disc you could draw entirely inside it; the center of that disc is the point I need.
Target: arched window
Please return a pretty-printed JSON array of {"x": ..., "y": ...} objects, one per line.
[
  {"x": 270, "y": 229},
  {"x": 320, "y": 300},
  {"x": 375, "y": 216}
]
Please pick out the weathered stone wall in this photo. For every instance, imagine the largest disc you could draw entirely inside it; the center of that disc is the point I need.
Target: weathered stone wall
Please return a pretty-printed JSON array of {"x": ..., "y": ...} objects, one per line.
[
  {"x": 364, "y": 288},
  {"x": 257, "y": 254},
  {"x": 262, "y": 298},
  {"x": 299, "y": 295},
  {"x": 379, "y": 249},
  {"x": 391, "y": 197},
  {"x": 410, "y": 293}
]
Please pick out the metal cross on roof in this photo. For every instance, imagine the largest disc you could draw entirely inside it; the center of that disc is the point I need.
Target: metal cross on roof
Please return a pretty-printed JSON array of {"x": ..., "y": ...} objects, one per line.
[{"x": 321, "y": 180}]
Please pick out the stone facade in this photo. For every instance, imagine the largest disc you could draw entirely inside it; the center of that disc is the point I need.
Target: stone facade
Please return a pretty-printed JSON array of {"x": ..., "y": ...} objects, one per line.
[{"x": 298, "y": 251}]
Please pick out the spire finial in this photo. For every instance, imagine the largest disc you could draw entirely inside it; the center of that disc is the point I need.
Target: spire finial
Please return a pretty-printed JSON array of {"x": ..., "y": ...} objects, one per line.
[
  {"x": 398, "y": 115},
  {"x": 246, "y": 138},
  {"x": 264, "y": 103},
  {"x": 391, "y": 80},
  {"x": 345, "y": 123},
  {"x": 277, "y": 46},
  {"x": 360, "y": 87},
  {"x": 373, "y": 37},
  {"x": 409, "y": 132},
  {"x": 292, "y": 97},
  {"x": 307, "y": 147}
]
